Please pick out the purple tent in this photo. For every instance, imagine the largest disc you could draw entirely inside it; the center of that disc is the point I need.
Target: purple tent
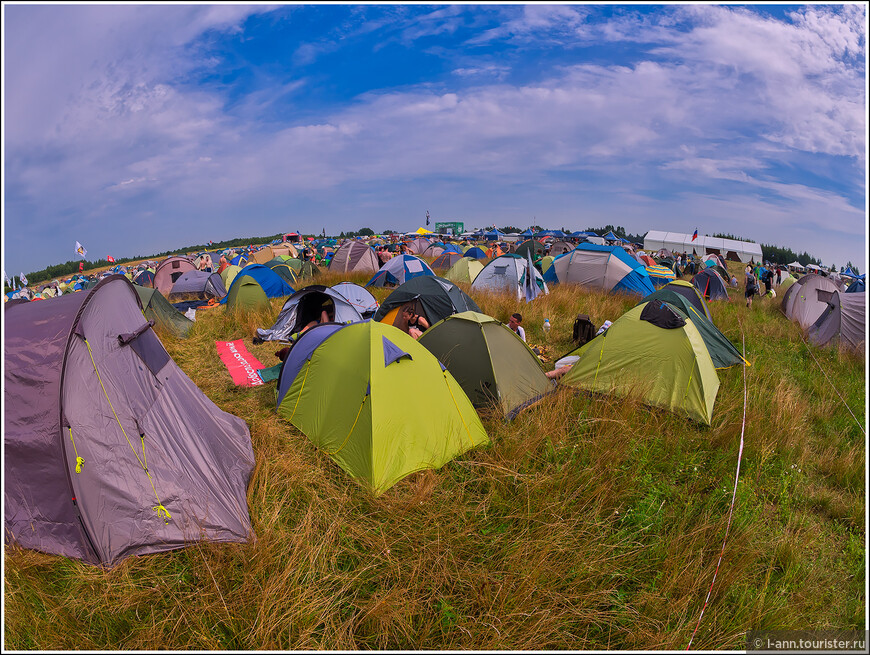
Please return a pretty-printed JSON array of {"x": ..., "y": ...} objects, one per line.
[{"x": 111, "y": 450}]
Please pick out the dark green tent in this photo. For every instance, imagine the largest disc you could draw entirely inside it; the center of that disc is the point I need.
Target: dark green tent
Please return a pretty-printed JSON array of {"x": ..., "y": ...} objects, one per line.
[
  {"x": 438, "y": 298},
  {"x": 490, "y": 362},
  {"x": 158, "y": 309}
]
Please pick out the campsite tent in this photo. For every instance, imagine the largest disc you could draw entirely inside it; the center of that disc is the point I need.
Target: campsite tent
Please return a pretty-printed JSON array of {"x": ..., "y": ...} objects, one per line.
[
  {"x": 418, "y": 246},
  {"x": 652, "y": 352},
  {"x": 532, "y": 245},
  {"x": 842, "y": 320},
  {"x": 489, "y": 361},
  {"x": 229, "y": 274},
  {"x": 464, "y": 270},
  {"x": 306, "y": 305},
  {"x": 687, "y": 291},
  {"x": 281, "y": 265},
  {"x": 110, "y": 450},
  {"x": 560, "y": 248},
  {"x": 446, "y": 260},
  {"x": 399, "y": 270},
  {"x": 261, "y": 256},
  {"x": 145, "y": 278},
  {"x": 722, "y": 351},
  {"x": 354, "y": 256},
  {"x": 377, "y": 402},
  {"x": 602, "y": 267},
  {"x": 160, "y": 310},
  {"x": 246, "y": 294},
  {"x": 200, "y": 284},
  {"x": 360, "y": 297},
  {"x": 169, "y": 270},
  {"x": 475, "y": 252},
  {"x": 710, "y": 285},
  {"x": 436, "y": 298},
  {"x": 510, "y": 273},
  {"x": 806, "y": 300},
  {"x": 303, "y": 269},
  {"x": 272, "y": 284}
]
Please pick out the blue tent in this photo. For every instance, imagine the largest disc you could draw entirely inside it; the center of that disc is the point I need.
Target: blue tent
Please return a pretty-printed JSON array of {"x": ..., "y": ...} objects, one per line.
[
  {"x": 493, "y": 235},
  {"x": 452, "y": 247},
  {"x": 550, "y": 233},
  {"x": 610, "y": 236},
  {"x": 239, "y": 260},
  {"x": 850, "y": 273},
  {"x": 399, "y": 270},
  {"x": 858, "y": 286},
  {"x": 475, "y": 252},
  {"x": 528, "y": 233},
  {"x": 273, "y": 284}
]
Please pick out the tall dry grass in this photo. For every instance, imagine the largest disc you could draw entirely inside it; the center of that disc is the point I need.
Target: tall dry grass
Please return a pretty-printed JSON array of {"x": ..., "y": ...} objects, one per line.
[{"x": 588, "y": 523}]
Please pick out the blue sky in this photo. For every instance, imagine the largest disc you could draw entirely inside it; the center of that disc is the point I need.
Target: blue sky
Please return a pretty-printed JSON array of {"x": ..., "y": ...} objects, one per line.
[{"x": 137, "y": 129}]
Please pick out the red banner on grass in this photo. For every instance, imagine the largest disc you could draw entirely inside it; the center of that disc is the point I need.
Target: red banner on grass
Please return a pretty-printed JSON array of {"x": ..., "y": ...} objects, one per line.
[{"x": 241, "y": 364}]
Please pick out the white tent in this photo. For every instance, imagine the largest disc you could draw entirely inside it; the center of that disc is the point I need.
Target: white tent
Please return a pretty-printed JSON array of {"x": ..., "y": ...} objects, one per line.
[
  {"x": 796, "y": 265},
  {"x": 744, "y": 251}
]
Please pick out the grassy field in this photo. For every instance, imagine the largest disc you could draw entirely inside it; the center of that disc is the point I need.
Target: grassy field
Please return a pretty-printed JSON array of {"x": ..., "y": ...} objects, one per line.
[{"x": 588, "y": 523}]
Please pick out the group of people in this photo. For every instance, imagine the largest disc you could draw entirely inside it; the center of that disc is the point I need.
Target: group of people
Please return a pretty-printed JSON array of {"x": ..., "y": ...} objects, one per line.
[{"x": 757, "y": 276}]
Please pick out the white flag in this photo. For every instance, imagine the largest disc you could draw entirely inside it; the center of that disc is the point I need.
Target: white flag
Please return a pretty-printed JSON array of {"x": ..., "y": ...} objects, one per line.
[
  {"x": 23, "y": 279},
  {"x": 80, "y": 250},
  {"x": 6, "y": 278}
]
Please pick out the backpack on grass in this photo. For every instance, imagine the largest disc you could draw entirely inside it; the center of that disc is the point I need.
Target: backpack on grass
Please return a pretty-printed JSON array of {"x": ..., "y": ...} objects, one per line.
[{"x": 584, "y": 329}]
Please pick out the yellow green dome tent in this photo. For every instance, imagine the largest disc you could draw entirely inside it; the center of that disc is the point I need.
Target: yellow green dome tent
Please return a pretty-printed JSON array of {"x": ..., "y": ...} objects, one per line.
[
  {"x": 464, "y": 270},
  {"x": 376, "y": 401},
  {"x": 654, "y": 352}
]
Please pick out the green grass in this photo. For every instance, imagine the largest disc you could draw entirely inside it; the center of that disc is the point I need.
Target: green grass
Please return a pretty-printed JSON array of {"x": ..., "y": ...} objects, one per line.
[{"x": 589, "y": 522}]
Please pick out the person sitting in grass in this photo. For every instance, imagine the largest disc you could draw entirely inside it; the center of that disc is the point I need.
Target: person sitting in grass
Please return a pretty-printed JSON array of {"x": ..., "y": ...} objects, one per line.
[{"x": 514, "y": 324}]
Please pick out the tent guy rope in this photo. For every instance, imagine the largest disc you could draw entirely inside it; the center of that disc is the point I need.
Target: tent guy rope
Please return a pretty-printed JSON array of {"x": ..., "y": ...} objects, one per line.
[{"x": 733, "y": 499}]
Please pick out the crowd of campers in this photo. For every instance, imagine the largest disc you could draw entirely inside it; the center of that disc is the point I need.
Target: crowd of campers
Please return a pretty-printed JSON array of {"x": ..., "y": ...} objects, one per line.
[{"x": 75, "y": 347}]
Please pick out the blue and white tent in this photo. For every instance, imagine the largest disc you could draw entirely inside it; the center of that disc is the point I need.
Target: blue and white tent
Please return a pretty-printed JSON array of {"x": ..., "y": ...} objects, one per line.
[
  {"x": 514, "y": 274},
  {"x": 603, "y": 267},
  {"x": 399, "y": 270}
]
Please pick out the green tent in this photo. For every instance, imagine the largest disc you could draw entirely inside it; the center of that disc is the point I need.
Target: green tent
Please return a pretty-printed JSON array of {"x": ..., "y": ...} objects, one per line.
[
  {"x": 652, "y": 352},
  {"x": 303, "y": 269},
  {"x": 376, "y": 401},
  {"x": 229, "y": 274},
  {"x": 284, "y": 269},
  {"x": 158, "y": 309},
  {"x": 464, "y": 270},
  {"x": 489, "y": 361},
  {"x": 722, "y": 351},
  {"x": 246, "y": 294}
]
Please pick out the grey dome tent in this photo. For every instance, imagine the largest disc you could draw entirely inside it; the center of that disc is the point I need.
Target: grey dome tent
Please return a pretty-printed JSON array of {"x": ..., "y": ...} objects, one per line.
[
  {"x": 110, "y": 449},
  {"x": 807, "y": 299},
  {"x": 305, "y": 306},
  {"x": 199, "y": 284},
  {"x": 359, "y": 297},
  {"x": 843, "y": 319}
]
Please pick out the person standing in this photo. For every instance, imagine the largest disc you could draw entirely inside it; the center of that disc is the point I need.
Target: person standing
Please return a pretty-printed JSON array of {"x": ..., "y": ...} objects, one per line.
[
  {"x": 514, "y": 324},
  {"x": 751, "y": 286}
]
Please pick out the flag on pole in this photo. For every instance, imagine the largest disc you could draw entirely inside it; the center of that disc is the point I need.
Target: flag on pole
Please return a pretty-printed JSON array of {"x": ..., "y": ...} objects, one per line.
[
  {"x": 6, "y": 278},
  {"x": 695, "y": 235},
  {"x": 427, "y": 217},
  {"x": 23, "y": 279},
  {"x": 109, "y": 258},
  {"x": 81, "y": 266},
  {"x": 80, "y": 250}
]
